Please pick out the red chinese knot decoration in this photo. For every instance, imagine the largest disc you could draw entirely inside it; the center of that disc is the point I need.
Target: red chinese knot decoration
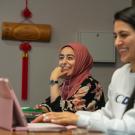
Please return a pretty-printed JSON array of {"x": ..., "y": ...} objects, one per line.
[
  {"x": 26, "y": 13},
  {"x": 26, "y": 32},
  {"x": 25, "y": 47}
]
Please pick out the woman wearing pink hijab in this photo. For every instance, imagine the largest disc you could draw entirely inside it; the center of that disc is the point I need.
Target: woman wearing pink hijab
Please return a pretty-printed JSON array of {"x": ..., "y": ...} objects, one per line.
[{"x": 72, "y": 86}]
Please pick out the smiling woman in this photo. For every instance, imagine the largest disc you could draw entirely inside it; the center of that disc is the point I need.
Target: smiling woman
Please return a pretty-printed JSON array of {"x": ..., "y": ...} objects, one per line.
[
  {"x": 78, "y": 90},
  {"x": 125, "y": 39},
  {"x": 118, "y": 115}
]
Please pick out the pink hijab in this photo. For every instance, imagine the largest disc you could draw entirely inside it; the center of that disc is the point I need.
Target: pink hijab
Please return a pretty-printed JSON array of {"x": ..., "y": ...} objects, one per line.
[{"x": 83, "y": 64}]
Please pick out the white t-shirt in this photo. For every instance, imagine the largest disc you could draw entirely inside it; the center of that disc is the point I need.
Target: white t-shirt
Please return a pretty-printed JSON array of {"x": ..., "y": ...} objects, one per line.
[{"x": 111, "y": 116}]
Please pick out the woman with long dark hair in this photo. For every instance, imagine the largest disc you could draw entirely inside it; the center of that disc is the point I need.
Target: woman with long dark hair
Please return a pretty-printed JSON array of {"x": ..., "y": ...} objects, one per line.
[{"x": 119, "y": 111}]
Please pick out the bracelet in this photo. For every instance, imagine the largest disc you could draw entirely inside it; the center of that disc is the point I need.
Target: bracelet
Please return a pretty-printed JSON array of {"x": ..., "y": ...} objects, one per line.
[{"x": 52, "y": 82}]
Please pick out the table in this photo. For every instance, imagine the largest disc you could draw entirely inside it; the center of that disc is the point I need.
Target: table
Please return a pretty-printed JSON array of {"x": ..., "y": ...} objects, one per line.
[{"x": 69, "y": 132}]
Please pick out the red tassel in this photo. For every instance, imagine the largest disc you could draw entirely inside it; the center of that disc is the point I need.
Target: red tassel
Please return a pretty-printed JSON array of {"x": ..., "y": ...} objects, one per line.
[
  {"x": 25, "y": 76},
  {"x": 25, "y": 47}
]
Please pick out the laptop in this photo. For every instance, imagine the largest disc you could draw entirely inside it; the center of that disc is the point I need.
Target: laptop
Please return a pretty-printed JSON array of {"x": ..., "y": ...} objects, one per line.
[{"x": 11, "y": 116}]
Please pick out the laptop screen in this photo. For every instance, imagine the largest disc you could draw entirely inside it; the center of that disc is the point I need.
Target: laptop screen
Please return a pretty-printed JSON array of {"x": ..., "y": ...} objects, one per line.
[{"x": 11, "y": 114}]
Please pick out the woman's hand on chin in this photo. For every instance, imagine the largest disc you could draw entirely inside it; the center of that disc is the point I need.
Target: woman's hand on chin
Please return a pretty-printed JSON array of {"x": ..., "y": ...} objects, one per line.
[{"x": 57, "y": 73}]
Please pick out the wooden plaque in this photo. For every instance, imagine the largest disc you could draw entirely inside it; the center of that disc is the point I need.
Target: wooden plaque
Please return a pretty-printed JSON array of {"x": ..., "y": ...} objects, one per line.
[{"x": 26, "y": 32}]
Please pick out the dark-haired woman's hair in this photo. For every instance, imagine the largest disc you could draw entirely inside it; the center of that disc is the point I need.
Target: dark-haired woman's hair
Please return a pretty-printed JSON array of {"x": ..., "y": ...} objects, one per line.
[{"x": 127, "y": 15}]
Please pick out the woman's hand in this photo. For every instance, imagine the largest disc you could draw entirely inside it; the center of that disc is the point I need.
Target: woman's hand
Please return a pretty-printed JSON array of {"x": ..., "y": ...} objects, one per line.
[
  {"x": 64, "y": 118},
  {"x": 41, "y": 107},
  {"x": 57, "y": 73}
]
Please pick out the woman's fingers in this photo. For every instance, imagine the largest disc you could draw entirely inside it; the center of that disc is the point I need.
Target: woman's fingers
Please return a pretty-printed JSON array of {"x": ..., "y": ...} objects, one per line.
[
  {"x": 38, "y": 119},
  {"x": 64, "y": 118},
  {"x": 57, "y": 73}
]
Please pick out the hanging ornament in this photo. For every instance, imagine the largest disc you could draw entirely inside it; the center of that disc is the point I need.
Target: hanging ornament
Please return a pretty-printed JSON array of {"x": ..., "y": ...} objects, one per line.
[
  {"x": 25, "y": 47},
  {"x": 25, "y": 32},
  {"x": 26, "y": 13}
]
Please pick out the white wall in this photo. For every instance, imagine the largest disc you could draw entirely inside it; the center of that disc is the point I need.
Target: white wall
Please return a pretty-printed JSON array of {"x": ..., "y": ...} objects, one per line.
[{"x": 67, "y": 17}]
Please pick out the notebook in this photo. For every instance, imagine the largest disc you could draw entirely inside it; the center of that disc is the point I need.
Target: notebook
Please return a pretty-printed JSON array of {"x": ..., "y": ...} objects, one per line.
[{"x": 11, "y": 116}]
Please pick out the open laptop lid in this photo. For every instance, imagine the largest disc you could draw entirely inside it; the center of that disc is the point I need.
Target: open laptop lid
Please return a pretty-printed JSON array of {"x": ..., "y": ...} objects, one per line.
[{"x": 11, "y": 115}]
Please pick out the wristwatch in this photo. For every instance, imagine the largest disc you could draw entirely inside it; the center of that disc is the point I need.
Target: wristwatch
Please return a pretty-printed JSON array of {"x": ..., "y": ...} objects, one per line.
[{"x": 52, "y": 82}]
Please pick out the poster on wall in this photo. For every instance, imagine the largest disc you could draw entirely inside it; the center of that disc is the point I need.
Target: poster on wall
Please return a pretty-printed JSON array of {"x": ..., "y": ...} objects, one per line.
[{"x": 100, "y": 45}]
